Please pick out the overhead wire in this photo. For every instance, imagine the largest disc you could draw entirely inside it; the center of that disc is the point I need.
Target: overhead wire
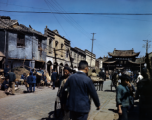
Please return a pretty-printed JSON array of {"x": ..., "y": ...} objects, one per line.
[
  {"x": 24, "y": 6},
  {"x": 78, "y": 13},
  {"x": 56, "y": 19},
  {"x": 56, "y": 10},
  {"x": 78, "y": 53},
  {"x": 69, "y": 18}
]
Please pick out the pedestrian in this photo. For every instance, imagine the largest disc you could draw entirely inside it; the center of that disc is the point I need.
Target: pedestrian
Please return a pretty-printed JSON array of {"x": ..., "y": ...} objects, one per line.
[
  {"x": 34, "y": 82},
  {"x": 44, "y": 79},
  {"x": 123, "y": 98},
  {"x": 115, "y": 79},
  {"x": 5, "y": 85},
  {"x": 6, "y": 71},
  {"x": 79, "y": 87},
  {"x": 30, "y": 81},
  {"x": 131, "y": 76},
  {"x": 12, "y": 77},
  {"x": 131, "y": 97},
  {"x": 140, "y": 77},
  {"x": 23, "y": 78},
  {"x": 102, "y": 76},
  {"x": 26, "y": 82},
  {"x": 64, "y": 78},
  {"x": 60, "y": 78},
  {"x": 54, "y": 78},
  {"x": 135, "y": 77},
  {"x": 94, "y": 74}
]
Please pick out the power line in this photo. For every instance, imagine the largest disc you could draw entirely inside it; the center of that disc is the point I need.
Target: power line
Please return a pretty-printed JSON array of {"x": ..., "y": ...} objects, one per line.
[
  {"x": 63, "y": 16},
  {"x": 79, "y": 13},
  {"x": 56, "y": 3},
  {"x": 56, "y": 18},
  {"x": 67, "y": 18},
  {"x": 24, "y": 6},
  {"x": 70, "y": 18}
]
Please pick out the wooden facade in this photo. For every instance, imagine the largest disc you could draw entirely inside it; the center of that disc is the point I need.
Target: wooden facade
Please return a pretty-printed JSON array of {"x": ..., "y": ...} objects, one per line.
[{"x": 123, "y": 60}]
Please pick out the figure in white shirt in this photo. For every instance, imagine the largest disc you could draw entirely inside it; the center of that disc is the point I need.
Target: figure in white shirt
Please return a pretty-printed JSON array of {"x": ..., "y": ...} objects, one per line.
[{"x": 140, "y": 77}]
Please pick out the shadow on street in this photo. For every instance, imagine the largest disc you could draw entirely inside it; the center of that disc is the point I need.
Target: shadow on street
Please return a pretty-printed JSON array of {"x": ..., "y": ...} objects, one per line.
[
  {"x": 109, "y": 91},
  {"x": 51, "y": 117}
]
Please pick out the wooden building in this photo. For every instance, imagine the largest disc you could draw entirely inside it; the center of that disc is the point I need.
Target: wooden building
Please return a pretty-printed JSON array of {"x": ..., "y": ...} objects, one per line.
[
  {"x": 123, "y": 60},
  {"x": 21, "y": 45}
]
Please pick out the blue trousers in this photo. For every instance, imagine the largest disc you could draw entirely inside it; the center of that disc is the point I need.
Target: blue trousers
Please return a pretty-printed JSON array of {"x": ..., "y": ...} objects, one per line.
[
  {"x": 32, "y": 84},
  {"x": 54, "y": 83},
  {"x": 78, "y": 115},
  {"x": 124, "y": 115}
]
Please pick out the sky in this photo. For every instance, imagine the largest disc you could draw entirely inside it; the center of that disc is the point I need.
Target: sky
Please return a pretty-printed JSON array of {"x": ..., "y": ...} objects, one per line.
[{"x": 122, "y": 32}]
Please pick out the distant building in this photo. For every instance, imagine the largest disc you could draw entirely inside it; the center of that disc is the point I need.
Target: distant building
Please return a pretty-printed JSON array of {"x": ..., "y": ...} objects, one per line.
[
  {"x": 21, "y": 44},
  {"x": 90, "y": 58},
  {"x": 122, "y": 60},
  {"x": 99, "y": 62},
  {"x": 77, "y": 55}
]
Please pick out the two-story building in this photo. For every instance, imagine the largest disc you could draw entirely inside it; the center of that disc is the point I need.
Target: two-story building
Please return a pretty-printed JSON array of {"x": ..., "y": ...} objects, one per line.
[
  {"x": 22, "y": 45},
  {"x": 77, "y": 55},
  {"x": 90, "y": 58},
  {"x": 61, "y": 46}
]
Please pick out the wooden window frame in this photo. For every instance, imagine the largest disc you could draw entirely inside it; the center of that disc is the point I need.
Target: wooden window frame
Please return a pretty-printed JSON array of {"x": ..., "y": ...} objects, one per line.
[{"x": 20, "y": 40}]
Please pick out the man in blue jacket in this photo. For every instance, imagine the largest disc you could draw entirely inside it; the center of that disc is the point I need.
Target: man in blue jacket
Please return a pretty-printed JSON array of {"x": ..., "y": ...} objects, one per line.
[
  {"x": 53, "y": 78},
  {"x": 80, "y": 87},
  {"x": 30, "y": 80},
  {"x": 33, "y": 82},
  {"x": 123, "y": 97}
]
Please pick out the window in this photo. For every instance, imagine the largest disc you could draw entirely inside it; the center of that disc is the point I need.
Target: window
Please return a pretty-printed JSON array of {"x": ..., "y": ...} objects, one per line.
[
  {"x": 56, "y": 43},
  {"x": 50, "y": 46},
  {"x": 20, "y": 40},
  {"x": 39, "y": 43},
  {"x": 62, "y": 50},
  {"x": 78, "y": 57},
  {"x": 74, "y": 55},
  {"x": 67, "y": 52}
]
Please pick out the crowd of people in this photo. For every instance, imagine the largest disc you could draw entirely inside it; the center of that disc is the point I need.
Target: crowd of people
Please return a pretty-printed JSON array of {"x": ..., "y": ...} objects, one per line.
[
  {"x": 76, "y": 89},
  {"x": 30, "y": 80},
  {"x": 125, "y": 92}
]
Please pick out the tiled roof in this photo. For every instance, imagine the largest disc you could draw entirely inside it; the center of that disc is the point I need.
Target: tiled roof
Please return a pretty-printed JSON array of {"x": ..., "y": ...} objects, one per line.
[
  {"x": 123, "y": 53},
  {"x": 7, "y": 23}
]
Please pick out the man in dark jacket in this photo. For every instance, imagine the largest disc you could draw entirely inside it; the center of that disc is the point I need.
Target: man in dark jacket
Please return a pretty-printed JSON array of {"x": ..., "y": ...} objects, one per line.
[
  {"x": 53, "y": 78},
  {"x": 30, "y": 80},
  {"x": 123, "y": 97},
  {"x": 12, "y": 77},
  {"x": 80, "y": 87}
]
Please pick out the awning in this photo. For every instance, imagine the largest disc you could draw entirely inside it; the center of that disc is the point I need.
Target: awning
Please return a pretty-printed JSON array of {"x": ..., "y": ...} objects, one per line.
[{"x": 1, "y": 56}]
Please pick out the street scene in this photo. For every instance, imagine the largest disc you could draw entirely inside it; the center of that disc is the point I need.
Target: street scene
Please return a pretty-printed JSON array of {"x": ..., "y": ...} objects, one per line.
[{"x": 75, "y": 60}]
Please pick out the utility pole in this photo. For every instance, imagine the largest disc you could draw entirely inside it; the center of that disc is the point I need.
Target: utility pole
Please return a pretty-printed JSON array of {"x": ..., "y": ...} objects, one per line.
[
  {"x": 147, "y": 46},
  {"x": 92, "y": 48}
]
